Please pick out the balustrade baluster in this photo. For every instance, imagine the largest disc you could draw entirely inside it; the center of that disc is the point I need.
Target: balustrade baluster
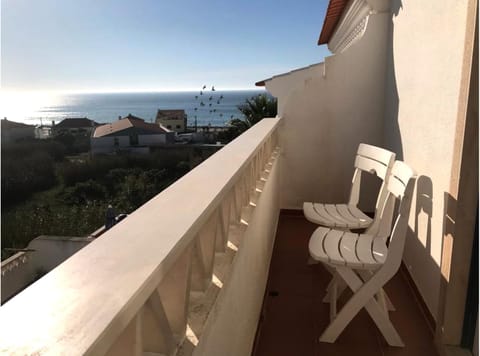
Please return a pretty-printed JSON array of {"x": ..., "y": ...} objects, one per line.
[
  {"x": 157, "y": 334},
  {"x": 223, "y": 224},
  {"x": 174, "y": 291},
  {"x": 204, "y": 255}
]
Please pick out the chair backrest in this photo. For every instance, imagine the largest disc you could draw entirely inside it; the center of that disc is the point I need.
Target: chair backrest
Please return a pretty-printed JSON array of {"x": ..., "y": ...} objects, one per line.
[
  {"x": 373, "y": 160},
  {"x": 400, "y": 187}
]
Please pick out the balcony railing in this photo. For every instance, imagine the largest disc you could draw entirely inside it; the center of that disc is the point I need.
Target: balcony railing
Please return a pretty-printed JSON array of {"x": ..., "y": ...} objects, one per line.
[{"x": 128, "y": 292}]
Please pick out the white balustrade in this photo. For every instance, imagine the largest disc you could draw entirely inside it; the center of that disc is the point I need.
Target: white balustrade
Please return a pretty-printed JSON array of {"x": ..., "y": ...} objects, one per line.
[{"x": 128, "y": 292}]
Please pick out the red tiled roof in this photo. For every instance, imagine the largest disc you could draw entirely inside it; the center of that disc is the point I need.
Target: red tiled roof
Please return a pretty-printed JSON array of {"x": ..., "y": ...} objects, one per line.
[
  {"x": 76, "y": 122},
  {"x": 126, "y": 123},
  {"x": 7, "y": 125},
  {"x": 334, "y": 12}
]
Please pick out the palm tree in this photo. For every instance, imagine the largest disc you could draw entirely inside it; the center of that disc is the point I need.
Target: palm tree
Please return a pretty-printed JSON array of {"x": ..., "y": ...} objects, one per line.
[
  {"x": 254, "y": 110},
  {"x": 258, "y": 107}
]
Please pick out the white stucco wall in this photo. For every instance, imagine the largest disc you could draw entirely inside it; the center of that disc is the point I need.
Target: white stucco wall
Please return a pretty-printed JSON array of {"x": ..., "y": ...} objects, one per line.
[
  {"x": 47, "y": 253},
  {"x": 106, "y": 144},
  {"x": 325, "y": 119},
  {"x": 423, "y": 85},
  {"x": 172, "y": 124},
  {"x": 398, "y": 87},
  {"x": 151, "y": 139}
]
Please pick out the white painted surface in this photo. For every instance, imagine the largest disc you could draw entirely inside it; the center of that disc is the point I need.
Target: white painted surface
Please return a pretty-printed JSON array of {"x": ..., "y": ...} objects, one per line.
[
  {"x": 107, "y": 144},
  {"x": 48, "y": 252},
  {"x": 423, "y": 86},
  {"x": 326, "y": 118}
]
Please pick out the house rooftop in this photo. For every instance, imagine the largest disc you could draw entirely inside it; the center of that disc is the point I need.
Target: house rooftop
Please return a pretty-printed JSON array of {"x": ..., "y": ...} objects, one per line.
[
  {"x": 8, "y": 125},
  {"x": 76, "y": 122},
  {"x": 130, "y": 121},
  {"x": 334, "y": 13}
]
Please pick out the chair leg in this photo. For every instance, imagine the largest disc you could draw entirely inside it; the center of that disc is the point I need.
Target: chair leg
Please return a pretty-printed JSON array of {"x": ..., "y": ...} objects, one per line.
[
  {"x": 366, "y": 275},
  {"x": 341, "y": 287},
  {"x": 363, "y": 297},
  {"x": 333, "y": 297},
  {"x": 340, "y": 284}
]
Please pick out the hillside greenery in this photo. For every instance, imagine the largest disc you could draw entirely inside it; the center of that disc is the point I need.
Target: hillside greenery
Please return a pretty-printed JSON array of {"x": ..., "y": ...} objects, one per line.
[{"x": 45, "y": 192}]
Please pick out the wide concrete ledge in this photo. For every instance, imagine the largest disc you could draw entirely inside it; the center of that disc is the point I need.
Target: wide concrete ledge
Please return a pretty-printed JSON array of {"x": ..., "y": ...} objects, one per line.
[{"x": 139, "y": 273}]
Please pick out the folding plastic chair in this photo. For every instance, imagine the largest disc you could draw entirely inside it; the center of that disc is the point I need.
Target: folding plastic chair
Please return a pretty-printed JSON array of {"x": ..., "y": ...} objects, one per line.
[
  {"x": 364, "y": 261},
  {"x": 370, "y": 159}
]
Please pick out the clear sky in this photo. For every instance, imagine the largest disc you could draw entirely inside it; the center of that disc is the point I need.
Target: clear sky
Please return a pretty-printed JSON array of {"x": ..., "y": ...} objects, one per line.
[{"x": 104, "y": 45}]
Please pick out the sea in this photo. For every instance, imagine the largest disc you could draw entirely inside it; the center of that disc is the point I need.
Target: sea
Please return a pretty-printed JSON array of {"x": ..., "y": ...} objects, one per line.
[{"x": 203, "y": 107}]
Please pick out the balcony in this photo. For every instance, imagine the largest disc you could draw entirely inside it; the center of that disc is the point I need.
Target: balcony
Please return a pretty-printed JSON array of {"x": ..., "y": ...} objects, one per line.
[
  {"x": 186, "y": 273},
  {"x": 171, "y": 277}
]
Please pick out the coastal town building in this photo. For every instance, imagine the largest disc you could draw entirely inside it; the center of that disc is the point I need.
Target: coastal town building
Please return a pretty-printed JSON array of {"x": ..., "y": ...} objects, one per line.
[
  {"x": 14, "y": 131},
  {"x": 216, "y": 264},
  {"x": 130, "y": 134},
  {"x": 175, "y": 120},
  {"x": 75, "y": 126}
]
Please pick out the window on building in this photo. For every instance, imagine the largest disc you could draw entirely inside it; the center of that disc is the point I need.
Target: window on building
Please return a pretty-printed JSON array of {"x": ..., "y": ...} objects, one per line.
[
  {"x": 133, "y": 139},
  {"x": 169, "y": 127},
  {"x": 179, "y": 127},
  {"x": 116, "y": 142}
]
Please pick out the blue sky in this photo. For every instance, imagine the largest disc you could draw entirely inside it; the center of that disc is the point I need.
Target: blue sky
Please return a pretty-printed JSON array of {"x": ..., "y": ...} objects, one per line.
[{"x": 104, "y": 45}]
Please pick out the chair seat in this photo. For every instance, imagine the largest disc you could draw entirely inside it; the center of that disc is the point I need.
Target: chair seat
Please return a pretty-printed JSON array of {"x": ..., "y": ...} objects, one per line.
[
  {"x": 336, "y": 215},
  {"x": 343, "y": 248}
]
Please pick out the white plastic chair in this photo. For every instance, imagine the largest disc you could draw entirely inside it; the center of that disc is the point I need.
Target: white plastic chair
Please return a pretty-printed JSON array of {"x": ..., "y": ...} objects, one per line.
[
  {"x": 370, "y": 159},
  {"x": 364, "y": 261}
]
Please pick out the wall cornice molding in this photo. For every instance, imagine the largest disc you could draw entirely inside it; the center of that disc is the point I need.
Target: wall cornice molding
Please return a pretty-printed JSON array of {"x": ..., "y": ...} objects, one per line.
[{"x": 351, "y": 26}]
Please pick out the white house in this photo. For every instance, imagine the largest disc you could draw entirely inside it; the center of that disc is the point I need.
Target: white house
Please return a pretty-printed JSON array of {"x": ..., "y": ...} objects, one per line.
[
  {"x": 131, "y": 134},
  {"x": 175, "y": 120},
  {"x": 75, "y": 125},
  {"x": 13, "y": 131}
]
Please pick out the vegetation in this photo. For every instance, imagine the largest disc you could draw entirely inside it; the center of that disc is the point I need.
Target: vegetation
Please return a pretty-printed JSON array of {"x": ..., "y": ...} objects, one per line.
[
  {"x": 28, "y": 167},
  {"x": 254, "y": 110},
  {"x": 44, "y": 193}
]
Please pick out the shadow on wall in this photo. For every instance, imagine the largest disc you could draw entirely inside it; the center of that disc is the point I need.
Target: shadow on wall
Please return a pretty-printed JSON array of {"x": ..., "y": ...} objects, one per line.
[
  {"x": 448, "y": 229},
  {"x": 392, "y": 130},
  {"x": 423, "y": 211}
]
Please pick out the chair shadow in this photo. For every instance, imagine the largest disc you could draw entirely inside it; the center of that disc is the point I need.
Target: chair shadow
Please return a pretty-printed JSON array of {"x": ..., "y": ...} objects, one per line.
[{"x": 424, "y": 207}]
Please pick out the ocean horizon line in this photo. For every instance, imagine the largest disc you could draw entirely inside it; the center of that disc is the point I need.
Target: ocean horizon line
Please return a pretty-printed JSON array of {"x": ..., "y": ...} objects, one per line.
[
  {"x": 124, "y": 91},
  {"x": 214, "y": 107}
]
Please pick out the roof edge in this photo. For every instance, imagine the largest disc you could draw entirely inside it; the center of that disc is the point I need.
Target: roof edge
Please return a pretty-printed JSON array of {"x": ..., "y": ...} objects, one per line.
[
  {"x": 263, "y": 82},
  {"x": 332, "y": 17}
]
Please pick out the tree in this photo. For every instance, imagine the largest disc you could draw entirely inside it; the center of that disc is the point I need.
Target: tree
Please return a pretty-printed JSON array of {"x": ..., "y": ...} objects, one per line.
[
  {"x": 258, "y": 107},
  {"x": 254, "y": 110}
]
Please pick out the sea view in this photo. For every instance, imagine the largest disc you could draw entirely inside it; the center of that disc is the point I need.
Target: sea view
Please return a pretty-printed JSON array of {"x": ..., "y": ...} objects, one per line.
[{"x": 218, "y": 107}]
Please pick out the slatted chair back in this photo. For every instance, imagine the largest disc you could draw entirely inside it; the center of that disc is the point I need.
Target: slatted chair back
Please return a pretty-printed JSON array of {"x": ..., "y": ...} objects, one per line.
[
  {"x": 373, "y": 160},
  {"x": 400, "y": 187}
]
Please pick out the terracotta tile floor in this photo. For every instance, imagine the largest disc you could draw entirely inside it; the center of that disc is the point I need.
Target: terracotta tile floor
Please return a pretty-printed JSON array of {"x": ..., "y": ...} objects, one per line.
[{"x": 294, "y": 316}]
